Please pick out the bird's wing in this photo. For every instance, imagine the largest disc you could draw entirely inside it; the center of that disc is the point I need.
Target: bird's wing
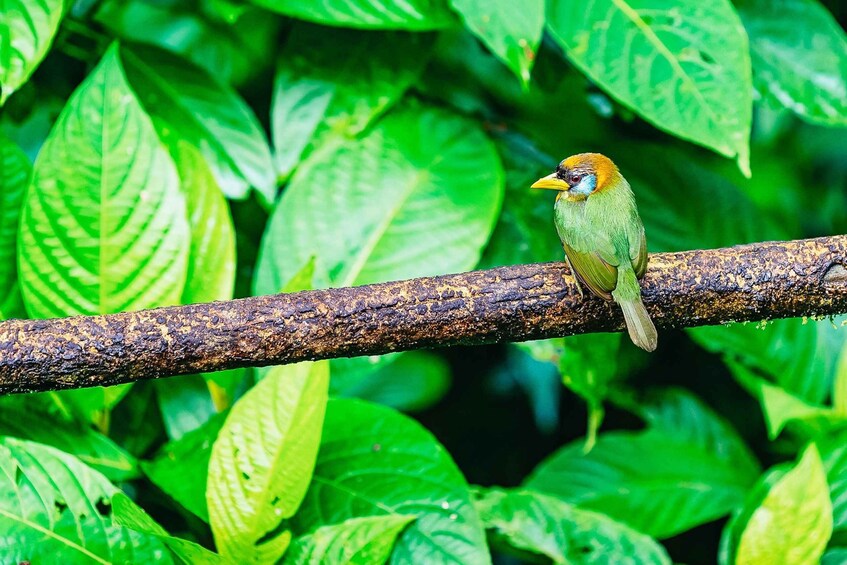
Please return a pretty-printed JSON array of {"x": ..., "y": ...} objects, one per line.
[
  {"x": 597, "y": 274},
  {"x": 638, "y": 255}
]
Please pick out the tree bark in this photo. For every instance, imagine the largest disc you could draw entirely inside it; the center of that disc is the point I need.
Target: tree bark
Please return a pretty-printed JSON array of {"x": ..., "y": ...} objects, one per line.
[{"x": 516, "y": 303}]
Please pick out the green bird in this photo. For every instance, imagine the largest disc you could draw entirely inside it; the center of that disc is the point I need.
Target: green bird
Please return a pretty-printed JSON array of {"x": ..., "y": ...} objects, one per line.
[{"x": 603, "y": 237}]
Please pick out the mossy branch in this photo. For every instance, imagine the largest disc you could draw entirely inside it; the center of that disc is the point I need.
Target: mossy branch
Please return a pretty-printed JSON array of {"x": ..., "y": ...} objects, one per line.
[{"x": 517, "y": 303}]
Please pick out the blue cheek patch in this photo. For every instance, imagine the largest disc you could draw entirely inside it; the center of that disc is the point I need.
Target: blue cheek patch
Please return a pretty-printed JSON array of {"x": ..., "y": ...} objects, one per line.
[{"x": 586, "y": 186}]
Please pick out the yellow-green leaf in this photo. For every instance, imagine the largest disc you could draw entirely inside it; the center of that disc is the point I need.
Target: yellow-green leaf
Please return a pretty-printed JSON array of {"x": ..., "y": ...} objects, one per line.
[
  {"x": 263, "y": 459},
  {"x": 104, "y": 227},
  {"x": 27, "y": 28},
  {"x": 793, "y": 522}
]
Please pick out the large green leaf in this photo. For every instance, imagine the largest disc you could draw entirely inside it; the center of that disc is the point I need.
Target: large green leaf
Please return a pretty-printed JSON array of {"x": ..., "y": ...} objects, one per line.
[
  {"x": 799, "y": 57},
  {"x": 687, "y": 468},
  {"x": 357, "y": 540},
  {"x": 54, "y": 508},
  {"x": 33, "y": 417},
  {"x": 26, "y": 32},
  {"x": 232, "y": 48},
  {"x": 338, "y": 83},
  {"x": 415, "y": 15},
  {"x": 512, "y": 30},
  {"x": 788, "y": 520},
  {"x": 187, "y": 457},
  {"x": 187, "y": 103},
  {"x": 374, "y": 461},
  {"x": 684, "y": 66},
  {"x": 132, "y": 516},
  {"x": 541, "y": 524},
  {"x": 416, "y": 196},
  {"x": 211, "y": 260},
  {"x": 263, "y": 459},
  {"x": 833, "y": 451},
  {"x": 104, "y": 227},
  {"x": 15, "y": 171}
]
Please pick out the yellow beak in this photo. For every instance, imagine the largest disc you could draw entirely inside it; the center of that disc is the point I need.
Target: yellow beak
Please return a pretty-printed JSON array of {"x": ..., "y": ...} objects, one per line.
[{"x": 551, "y": 182}]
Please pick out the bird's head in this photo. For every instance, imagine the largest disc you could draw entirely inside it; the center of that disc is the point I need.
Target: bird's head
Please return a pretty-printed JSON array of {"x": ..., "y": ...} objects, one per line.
[{"x": 579, "y": 176}]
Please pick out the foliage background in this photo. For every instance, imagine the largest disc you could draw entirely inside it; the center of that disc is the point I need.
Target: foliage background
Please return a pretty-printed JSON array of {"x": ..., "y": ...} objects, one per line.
[{"x": 403, "y": 137}]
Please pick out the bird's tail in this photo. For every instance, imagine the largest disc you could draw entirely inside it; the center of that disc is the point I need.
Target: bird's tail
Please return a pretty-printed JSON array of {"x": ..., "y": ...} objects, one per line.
[{"x": 641, "y": 330}]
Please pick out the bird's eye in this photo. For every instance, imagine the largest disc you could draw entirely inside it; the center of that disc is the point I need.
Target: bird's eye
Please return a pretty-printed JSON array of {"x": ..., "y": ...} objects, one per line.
[{"x": 575, "y": 179}]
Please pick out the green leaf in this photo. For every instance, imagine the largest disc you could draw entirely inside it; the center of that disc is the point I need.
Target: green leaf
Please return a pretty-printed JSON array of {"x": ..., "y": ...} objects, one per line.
[
  {"x": 128, "y": 514},
  {"x": 684, "y": 68},
  {"x": 833, "y": 451},
  {"x": 834, "y": 556},
  {"x": 104, "y": 227},
  {"x": 418, "y": 15},
  {"x": 26, "y": 32},
  {"x": 338, "y": 83},
  {"x": 185, "y": 402},
  {"x": 543, "y": 525},
  {"x": 357, "y": 540},
  {"x": 806, "y": 369},
  {"x": 414, "y": 381},
  {"x": 781, "y": 408},
  {"x": 186, "y": 103},
  {"x": 33, "y": 417},
  {"x": 374, "y": 461},
  {"x": 187, "y": 457},
  {"x": 211, "y": 260},
  {"x": 511, "y": 30},
  {"x": 799, "y": 55},
  {"x": 394, "y": 204},
  {"x": 52, "y": 505},
  {"x": 263, "y": 459},
  {"x": 232, "y": 50},
  {"x": 15, "y": 171},
  {"x": 793, "y": 522},
  {"x": 677, "y": 474}
]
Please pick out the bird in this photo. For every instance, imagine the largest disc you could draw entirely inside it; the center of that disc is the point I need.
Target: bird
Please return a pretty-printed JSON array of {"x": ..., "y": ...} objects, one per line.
[{"x": 603, "y": 237}]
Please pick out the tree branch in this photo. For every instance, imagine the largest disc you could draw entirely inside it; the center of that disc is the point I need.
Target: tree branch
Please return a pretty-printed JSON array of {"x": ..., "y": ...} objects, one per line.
[{"x": 517, "y": 303}]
